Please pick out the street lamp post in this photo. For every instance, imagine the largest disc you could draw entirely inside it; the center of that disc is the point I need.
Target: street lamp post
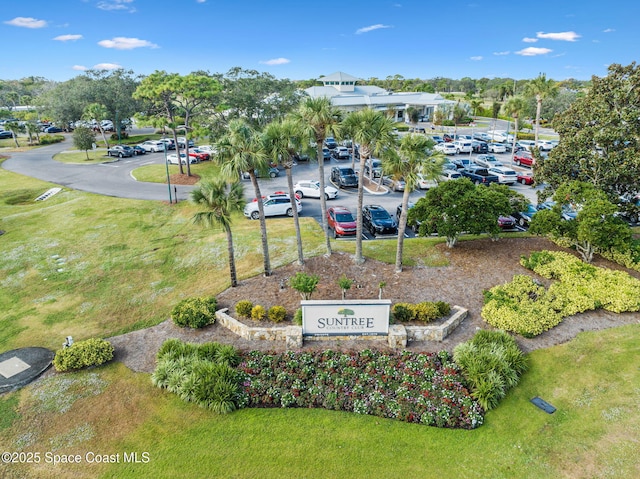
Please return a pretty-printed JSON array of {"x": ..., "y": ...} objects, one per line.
[{"x": 166, "y": 165}]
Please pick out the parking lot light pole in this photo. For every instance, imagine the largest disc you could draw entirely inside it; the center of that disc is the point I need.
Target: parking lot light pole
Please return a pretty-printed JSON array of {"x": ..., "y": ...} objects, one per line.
[{"x": 166, "y": 165}]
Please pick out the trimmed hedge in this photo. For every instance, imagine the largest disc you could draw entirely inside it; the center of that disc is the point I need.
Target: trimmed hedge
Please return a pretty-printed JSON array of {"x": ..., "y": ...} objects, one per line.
[
  {"x": 244, "y": 307},
  {"x": 258, "y": 313},
  {"x": 277, "y": 314},
  {"x": 425, "y": 311},
  {"x": 195, "y": 312},
  {"x": 81, "y": 354}
]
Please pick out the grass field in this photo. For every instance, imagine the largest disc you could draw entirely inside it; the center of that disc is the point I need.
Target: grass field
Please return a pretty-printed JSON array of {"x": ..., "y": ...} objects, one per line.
[{"x": 86, "y": 265}]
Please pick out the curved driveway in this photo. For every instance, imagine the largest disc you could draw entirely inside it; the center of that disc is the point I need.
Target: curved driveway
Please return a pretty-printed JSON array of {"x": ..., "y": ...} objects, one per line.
[{"x": 110, "y": 179}]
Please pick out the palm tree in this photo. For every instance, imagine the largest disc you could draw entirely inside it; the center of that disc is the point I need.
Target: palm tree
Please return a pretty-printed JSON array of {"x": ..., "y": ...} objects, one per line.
[
  {"x": 413, "y": 156},
  {"x": 540, "y": 88},
  {"x": 240, "y": 151},
  {"x": 97, "y": 112},
  {"x": 282, "y": 140},
  {"x": 320, "y": 117},
  {"x": 373, "y": 130},
  {"x": 221, "y": 199},
  {"x": 514, "y": 107}
]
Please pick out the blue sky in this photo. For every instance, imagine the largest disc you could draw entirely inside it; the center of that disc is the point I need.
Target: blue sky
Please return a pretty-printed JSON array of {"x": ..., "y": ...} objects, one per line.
[{"x": 303, "y": 39}]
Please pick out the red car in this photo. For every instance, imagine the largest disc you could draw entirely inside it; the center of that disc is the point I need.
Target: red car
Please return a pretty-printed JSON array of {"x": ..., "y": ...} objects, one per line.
[
  {"x": 524, "y": 158},
  {"x": 525, "y": 177},
  {"x": 341, "y": 221},
  {"x": 199, "y": 154}
]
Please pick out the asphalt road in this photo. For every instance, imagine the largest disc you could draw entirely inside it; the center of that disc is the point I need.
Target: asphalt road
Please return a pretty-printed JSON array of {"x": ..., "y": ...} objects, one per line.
[{"x": 114, "y": 178}]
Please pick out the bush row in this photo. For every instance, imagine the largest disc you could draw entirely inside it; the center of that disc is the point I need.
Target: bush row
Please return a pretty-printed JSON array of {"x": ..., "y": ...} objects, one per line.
[
  {"x": 525, "y": 307},
  {"x": 50, "y": 139},
  {"x": 81, "y": 354},
  {"x": 425, "y": 311},
  {"x": 492, "y": 362},
  {"x": 247, "y": 309},
  {"x": 195, "y": 312}
]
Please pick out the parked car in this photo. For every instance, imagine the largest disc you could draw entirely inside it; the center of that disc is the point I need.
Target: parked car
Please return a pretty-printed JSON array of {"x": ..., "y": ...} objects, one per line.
[
  {"x": 487, "y": 161},
  {"x": 450, "y": 175},
  {"x": 479, "y": 146},
  {"x": 437, "y": 139},
  {"x": 276, "y": 206},
  {"x": 326, "y": 154},
  {"x": 330, "y": 143},
  {"x": 378, "y": 221},
  {"x": 152, "y": 146},
  {"x": 415, "y": 226},
  {"x": 373, "y": 168},
  {"x": 340, "y": 153},
  {"x": 416, "y": 129},
  {"x": 462, "y": 163},
  {"x": 395, "y": 184},
  {"x": 169, "y": 142},
  {"x": 121, "y": 151},
  {"x": 524, "y": 217},
  {"x": 527, "y": 144},
  {"x": 447, "y": 148},
  {"x": 270, "y": 173},
  {"x": 138, "y": 150},
  {"x": 505, "y": 176},
  {"x": 567, "y": 212},
  {"x": 344, "y": 177},
  {"x": 523, "y": 158},
  {"x": 546, "y": 145},
  {"x": 4, "y": 134},
  {"x": 311, "y": 188},
  {"x": 53, "y": 129},
  {"x": 424, "y": 183},
  {"x": 199, "y": 154},
  {"x": 479, "y": 175},
  {"x": 182, "y": 142},
  {"x": 341, "y": 221},
  {"x": 525, "y": 178},
  {"x": 172, "y": 159},
  {"x": 462, "y": 146},
  {"x": 496, "y": 147},
  {"x": 482, "y": 136},
  {"x": 506, "y": 222}
]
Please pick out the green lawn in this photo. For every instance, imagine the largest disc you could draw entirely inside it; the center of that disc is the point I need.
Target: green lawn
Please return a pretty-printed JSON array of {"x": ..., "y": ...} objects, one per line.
[{"x": 86, "y": 265}]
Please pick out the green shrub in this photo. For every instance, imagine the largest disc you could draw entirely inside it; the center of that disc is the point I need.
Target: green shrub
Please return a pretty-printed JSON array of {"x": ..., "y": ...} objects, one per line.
[
  {"x": 492, "y": 363},
  {"x": 91, "y": 352},
  {"x": 258, "y": 313},
  {"x": 227, "y": 354},
  {"x": 425, "y": 311},
  {"x": 297, "y": 317},
  {"x": 304, "y": 284},
  {"x": 174, "y": 348},
  {"x": 402, "y": 312},
  {"x": 277, "y": 314},
  {"x": 195, "y": 312},
  {"x": 444, "y": 309},
  {"x": 244, "y": 307},
  {"x": 50, "y": 139}
]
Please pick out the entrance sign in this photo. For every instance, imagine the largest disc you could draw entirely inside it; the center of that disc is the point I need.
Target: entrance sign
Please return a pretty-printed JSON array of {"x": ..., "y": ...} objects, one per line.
[{"x": 346, "y": 317}]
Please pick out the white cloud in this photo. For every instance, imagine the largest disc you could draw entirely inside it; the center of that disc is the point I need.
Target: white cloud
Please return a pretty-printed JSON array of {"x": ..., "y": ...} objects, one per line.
[
  {"x": 608, "y": 30},
  {"x": 276, "y": 61},
  {"x": 66, "y": 38},
  {"x": 124, "y": 43},
  {"x": 533, "y": 51},
  {"x": 116, "y": 5},
  {"x": 476, "y": 58},
  {"x": 27, "y": 22},
  {"x": 80, "y": 68},
  {"x": 200, "y": 1},
  {"x": 106, "y": 66},
  {"x": 501, "y": 53},
  {"x": 529, "y": 40},
  {"x": 370, "y": 28},
  {"x": 564, "y": 36}
]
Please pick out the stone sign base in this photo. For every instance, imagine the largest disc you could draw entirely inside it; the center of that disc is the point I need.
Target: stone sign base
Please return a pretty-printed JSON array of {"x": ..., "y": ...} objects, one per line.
[{"x": 398, "y": 337}]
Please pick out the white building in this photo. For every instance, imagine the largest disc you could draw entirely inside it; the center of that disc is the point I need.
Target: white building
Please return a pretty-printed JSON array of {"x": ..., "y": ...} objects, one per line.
[{"x": 348, "y": 96}]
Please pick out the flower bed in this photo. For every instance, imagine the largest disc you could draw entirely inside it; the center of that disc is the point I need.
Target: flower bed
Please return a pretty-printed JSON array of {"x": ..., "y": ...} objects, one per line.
[{"x": 423, "y": 388}]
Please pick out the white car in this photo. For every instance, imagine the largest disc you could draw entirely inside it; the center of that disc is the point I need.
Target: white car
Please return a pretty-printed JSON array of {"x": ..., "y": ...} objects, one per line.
[
  {"x": 151, "y": 146},
  {"x": 273, "y": 206},
  {"x": 450, "y": 175},
  {"x": 446, "y": 148},
  {"x": 208, "y": 148},
  {"x": 546, "y": 145},
  {"x": 496, "y": 148},
  {"x": 311, "y": 188},
  {"x": 424, "y": 183},
  {"x": 487, "y": 161},
  {"x": 173, "y": 159},
  {"x": 505, "y": 176},
  {"x": 527, "y": 144},
  {"x": 463, "y": 146}
]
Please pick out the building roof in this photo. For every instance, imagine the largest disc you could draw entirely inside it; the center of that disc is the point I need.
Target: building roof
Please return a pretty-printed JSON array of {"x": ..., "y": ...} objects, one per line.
[{"x": 338, "y": 76}]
